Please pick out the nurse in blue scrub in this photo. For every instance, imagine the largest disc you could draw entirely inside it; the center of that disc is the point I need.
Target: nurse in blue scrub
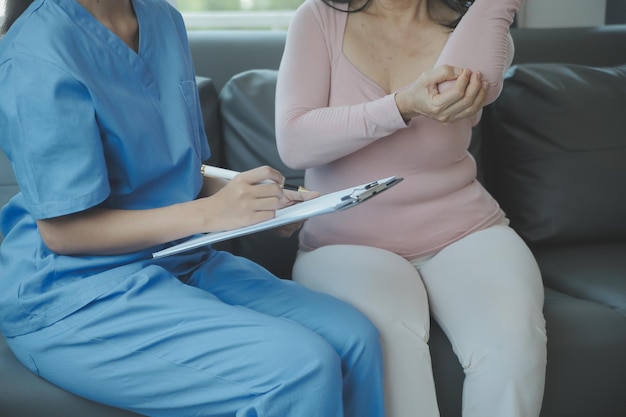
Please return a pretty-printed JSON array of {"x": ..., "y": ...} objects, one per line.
[{"x": 99, "y": 115}]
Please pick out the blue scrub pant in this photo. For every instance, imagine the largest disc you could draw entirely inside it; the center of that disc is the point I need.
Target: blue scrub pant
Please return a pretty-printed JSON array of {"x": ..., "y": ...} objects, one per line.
[{"x": 233, "y": 340}]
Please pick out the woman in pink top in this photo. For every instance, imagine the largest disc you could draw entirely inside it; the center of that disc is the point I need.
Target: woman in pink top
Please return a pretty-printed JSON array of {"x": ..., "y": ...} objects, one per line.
[{"x": 373, "y": 88}]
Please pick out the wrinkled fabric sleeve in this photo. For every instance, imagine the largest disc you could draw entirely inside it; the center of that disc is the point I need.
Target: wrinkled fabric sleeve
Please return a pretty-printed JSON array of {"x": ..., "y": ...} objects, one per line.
[
  {"x": 52, "y": 138},
  {"x": 482, "y": 42}
]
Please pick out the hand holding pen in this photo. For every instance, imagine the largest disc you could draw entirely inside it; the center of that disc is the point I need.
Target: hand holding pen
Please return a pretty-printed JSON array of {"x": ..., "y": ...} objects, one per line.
[
  {"x": 255, "y": 195},
  {"x": 227, "y": 174}
]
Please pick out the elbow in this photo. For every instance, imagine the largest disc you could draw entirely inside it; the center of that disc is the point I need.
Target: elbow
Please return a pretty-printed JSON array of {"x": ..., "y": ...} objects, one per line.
[
  {"x": 56, "y": 246},
  {"x": 290, "y": 151},
  {"x": 292, "y": 157},
  {"x": 493, "y": 92},
  {"x": 297, "y": 139},
  {"x": 53, "y": 237}
]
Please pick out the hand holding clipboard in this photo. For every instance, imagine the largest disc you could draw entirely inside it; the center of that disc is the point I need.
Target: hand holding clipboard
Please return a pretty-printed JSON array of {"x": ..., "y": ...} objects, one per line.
[{"x": 327, "y": 203}]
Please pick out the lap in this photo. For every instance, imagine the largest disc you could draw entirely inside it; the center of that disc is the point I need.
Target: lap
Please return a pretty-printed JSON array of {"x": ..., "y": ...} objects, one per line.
[
  {"x": 467, "y": 282},
  {"x": 381, "y": 284},
  {"x": 154, "y": 342}
]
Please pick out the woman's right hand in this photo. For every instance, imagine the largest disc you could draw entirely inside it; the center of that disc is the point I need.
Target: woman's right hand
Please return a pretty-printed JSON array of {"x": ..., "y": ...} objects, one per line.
[
  {"x": 250, "y": 197},
  {"x": 445, "y": 94}
]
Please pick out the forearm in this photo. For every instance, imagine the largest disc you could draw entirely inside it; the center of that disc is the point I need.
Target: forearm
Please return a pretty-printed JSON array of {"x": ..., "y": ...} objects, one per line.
[
  {"x": 249, "y": 198},
  {"x": 100, "y": 231},
  {"x": 211, "y": 185},
  {"x": 309, "y": 131},
  {"x": 308, "y": 138}
]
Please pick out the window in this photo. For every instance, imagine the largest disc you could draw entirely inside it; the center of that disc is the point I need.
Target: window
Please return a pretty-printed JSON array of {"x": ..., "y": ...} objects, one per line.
[
  {"x": 230, "y": 14},
  {"x": 276, "y": 14},
  {"x": 237, "y": 14}
]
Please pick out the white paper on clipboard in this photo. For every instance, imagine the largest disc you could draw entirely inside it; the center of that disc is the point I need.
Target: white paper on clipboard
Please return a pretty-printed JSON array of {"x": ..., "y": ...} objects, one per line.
[{"x": 327, "y": 203}]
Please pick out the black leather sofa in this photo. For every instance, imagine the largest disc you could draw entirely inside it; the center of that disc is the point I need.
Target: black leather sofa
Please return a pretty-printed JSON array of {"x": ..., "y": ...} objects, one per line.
[{"x": 552, "y": 150}]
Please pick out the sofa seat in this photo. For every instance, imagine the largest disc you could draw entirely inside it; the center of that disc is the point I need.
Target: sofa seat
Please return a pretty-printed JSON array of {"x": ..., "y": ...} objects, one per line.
[
  {"x": 23, "y": 394},
  {"x": 567, "y": 269}
]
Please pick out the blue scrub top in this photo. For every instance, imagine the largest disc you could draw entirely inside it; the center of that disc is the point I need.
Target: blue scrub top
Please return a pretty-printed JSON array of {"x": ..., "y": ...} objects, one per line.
[{"x": 86, "y": 121}]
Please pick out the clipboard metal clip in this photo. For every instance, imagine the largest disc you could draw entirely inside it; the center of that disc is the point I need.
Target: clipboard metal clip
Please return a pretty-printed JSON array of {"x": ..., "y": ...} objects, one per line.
[{"x": 366, "y": 192}]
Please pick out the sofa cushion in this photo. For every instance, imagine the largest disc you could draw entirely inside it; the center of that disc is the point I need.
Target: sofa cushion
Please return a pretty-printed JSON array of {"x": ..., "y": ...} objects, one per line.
[
  {"x": 24, "y": 394},
  {"x": 247, "y": 112},
  {"x": 594, "y": 272},
  {"x": 586, "y": 342},
  {"x": 560, "y": 141}
]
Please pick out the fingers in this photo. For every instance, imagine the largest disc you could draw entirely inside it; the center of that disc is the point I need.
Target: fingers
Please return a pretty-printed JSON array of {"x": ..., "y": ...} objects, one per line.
[
  {"x": 259, "y": 197},
  {"x": 452, "y": 92},
  {"x": 473, "y": 95},
  {"x": 262, "y": 183},
  {"x": 302, "y": 195},
  {"x": 458, "y": 99},
  {"x": 262, "y": 174},
  {"x": 308, "y": 195},
  {"x": 289, "y": 229},
  {"x": 444, "y": 87},
  {"x": 256, "y": 194},
  {"x": 291, "y": 197},
  {"x": 440, "y": 75},
  {"x": 445, "y": 94}
]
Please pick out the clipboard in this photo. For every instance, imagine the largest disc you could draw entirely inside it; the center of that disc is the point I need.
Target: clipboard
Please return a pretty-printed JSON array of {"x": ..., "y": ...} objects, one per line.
[{"x": 327, "y": 203}]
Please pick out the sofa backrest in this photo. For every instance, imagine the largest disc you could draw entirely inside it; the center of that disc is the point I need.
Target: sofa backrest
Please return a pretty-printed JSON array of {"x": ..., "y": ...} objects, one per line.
[
  {"x": 554, "y": 156},
  {"x": 553, "y": 146},
  {"x": 601, "y": 46},
  {"x": 221, "y": 54}
]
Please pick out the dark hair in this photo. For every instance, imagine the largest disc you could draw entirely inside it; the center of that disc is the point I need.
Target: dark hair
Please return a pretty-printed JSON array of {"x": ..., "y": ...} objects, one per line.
[
  {"x": 459, "y": 6},
  {"x": 13, "y": 10}
]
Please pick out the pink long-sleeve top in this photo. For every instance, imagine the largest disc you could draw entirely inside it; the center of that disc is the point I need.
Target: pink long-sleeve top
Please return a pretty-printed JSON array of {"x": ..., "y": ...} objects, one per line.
[{"x": 344, "y": 129}]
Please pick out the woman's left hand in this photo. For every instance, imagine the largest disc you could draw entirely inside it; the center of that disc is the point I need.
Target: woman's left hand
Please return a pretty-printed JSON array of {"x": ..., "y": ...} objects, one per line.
[
  {"x": 445, "y": 94},
  {"x": 289, "y": 199}
]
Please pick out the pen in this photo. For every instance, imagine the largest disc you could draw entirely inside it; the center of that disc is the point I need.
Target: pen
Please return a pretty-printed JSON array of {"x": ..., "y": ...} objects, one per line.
[{"x": 227, "y": 174}]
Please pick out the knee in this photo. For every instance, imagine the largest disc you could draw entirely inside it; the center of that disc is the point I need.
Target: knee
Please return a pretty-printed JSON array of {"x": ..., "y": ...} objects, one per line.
[
  {"x": 302, "y": 367},
  {"x": 364, "y": 338},
  {"x": 310, "y": 358},
  {"x": 353, "y": 334},
  {"x": 519, "y": 350},
  {"x": 530, "y": 347},
  {"x": 526, "y": 338}
]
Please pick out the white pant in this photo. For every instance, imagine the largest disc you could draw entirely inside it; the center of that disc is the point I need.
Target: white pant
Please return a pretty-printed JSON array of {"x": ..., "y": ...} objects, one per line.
[{"x": 486, "y": 293}]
